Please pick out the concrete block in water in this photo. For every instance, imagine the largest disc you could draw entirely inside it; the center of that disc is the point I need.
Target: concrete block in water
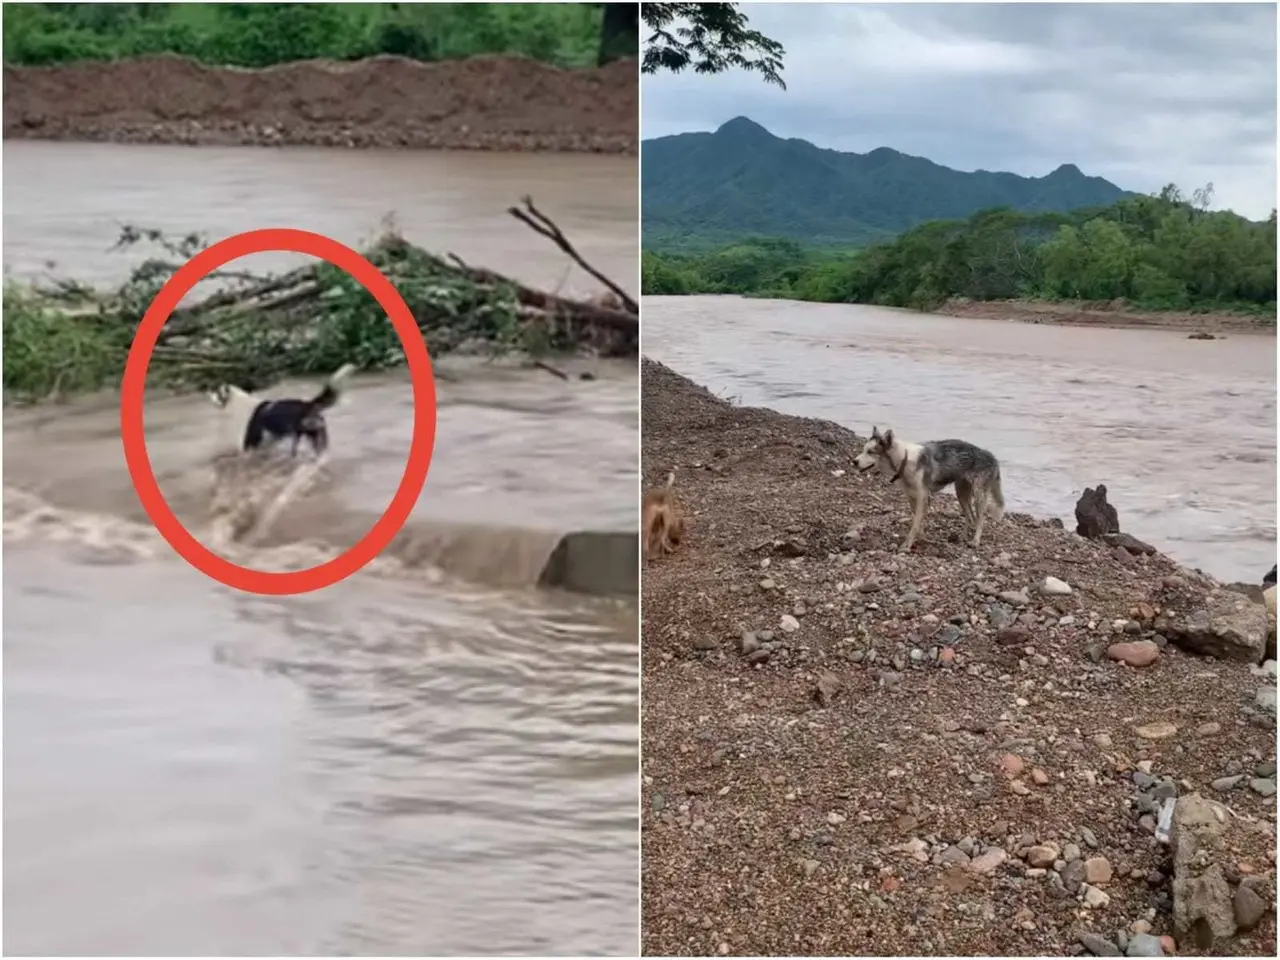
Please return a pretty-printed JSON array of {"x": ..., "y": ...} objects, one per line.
[{"x": 595, "y": 562}]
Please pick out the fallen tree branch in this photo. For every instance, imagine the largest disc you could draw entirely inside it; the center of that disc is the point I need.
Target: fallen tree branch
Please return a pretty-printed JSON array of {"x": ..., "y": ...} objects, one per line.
[{"x": 539, "y": 222}]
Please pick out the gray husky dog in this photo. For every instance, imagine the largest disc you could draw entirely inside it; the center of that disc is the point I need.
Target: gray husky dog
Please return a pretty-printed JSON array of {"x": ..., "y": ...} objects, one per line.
[{"x": 926, "y": 468}]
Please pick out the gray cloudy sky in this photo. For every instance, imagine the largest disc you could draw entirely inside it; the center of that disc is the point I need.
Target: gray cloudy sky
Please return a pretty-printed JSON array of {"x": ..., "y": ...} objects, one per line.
[{"x": 1142, "y": 94}]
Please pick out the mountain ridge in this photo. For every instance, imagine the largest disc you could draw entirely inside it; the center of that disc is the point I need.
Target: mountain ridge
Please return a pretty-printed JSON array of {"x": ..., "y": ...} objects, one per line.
[{"x": 742, "y": 180}]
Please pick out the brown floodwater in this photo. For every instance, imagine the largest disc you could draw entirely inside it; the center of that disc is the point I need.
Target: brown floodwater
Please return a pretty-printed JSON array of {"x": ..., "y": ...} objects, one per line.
[
  {"x": 432, "y": 757},
  {"x": 1182, "y": 432}
]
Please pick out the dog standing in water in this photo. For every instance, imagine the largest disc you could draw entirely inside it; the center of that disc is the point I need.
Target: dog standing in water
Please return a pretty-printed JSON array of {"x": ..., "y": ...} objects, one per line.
[
  {"x": 258, "y": 424},
  {"x": 662, "y": 519},
  {"x": 927, "y": 468}
]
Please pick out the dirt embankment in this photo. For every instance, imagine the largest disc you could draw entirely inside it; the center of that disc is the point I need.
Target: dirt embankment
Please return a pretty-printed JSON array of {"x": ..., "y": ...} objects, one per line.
[
  {"x": 485, "y": 103},
  {"x": 847, "y": 750},
  {"x": 1104, "y": 314}
]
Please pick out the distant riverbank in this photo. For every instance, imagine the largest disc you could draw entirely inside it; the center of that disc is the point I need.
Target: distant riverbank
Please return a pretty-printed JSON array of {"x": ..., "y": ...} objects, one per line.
[{"x": 483, "y": 103}]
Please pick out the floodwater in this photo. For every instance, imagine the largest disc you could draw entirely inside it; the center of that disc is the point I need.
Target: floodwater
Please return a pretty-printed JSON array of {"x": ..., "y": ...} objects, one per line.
[
  {"x": 432, "y": 757},
  {"x": 1182, "y": 432}
]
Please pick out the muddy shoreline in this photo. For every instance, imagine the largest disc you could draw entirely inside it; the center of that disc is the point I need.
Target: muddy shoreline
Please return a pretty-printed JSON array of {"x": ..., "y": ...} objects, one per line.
[
  {"x": 485, "y": 103},
  {"x": 850, "y": 751},
  {"x": 1106, "y": 315}
]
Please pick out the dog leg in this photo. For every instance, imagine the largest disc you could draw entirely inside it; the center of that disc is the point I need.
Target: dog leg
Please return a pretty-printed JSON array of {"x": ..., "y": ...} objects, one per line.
[
  {"x": 964, "y": 493},
  {"x": 981, "y": 502},
  {"x": 920, "y": 503}
]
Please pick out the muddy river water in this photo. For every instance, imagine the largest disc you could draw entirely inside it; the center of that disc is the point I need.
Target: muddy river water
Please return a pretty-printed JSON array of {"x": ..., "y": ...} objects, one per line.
[
  {"x": 433, "y": 757},
  {"x": 1182, "y": 432}
]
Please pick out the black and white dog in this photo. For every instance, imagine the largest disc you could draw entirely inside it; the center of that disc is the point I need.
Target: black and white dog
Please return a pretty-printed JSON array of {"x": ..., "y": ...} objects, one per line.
[
  {"x": 927, "y": 468},
  {"x": 252, "y": 423}
]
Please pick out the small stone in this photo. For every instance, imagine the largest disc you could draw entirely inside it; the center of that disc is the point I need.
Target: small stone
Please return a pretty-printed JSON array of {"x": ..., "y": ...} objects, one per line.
[
  {"x": 989, "y": 861},
  {"x": 1249, "y": 907},
  {"x": 767, "y": 584},
  {"x": 1099, "y": 945},
  {"x": 1011, "y": 764},
  {"x": 953, "y": 856},
  {"x": 1144, "y": 945},
  {"x": 1015, "y": 598},
  {"x": 1263, "y": 786},
  {"x": 1224, "y": 784},
  {"x": 750, "y": 643},
  {"x": 1097, "y": 870},
  {"x": 835, "y": 819},
  {"x": 1053, "y": 587},
  {"x": 1071, "y": 852},
  {"x": 1136, "y": 653},
  {"x": 1012, "y": 636},
  {"x": 1093, "y": 897},
  {"x": 827, "y": 687},
  {"x": 1208, "y": 729},
  {"x": 810, "y": 867},
  {"x": 789, "y": 624},
  {"x": 1039, "y": 777},
  {"x": 1170, "y": 945},
  {"x": 1073, "y": 875},
  {"x": 1041, "y": 856},
  {"x": 1159, "y": 730}
]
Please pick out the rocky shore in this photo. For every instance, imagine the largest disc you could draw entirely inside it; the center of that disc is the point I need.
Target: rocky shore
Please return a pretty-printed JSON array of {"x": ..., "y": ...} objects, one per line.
[
  {"x": 485, "y": 103},
  {"x": 1051, "y": 745}
]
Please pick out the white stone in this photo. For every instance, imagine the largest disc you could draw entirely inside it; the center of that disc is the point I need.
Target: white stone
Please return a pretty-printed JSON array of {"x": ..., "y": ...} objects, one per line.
[
  {"x": 1053, "y": 587},
  {"x": 789, "y": 623}
]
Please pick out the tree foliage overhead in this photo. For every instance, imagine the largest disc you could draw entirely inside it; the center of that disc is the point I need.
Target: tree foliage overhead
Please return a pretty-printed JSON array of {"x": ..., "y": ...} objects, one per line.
[
  {"x": 263, "y": 34},
  {"x": 710, "y": 38},
  {"x": 1161, "y": 253}
]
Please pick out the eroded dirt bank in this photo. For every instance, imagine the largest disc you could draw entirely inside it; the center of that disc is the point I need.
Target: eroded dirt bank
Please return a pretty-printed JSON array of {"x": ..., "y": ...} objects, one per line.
[
  {"x": 851, "y": 751},
  {"x": 485, "y": 103},
  {"x": 1105, "y": 314}
]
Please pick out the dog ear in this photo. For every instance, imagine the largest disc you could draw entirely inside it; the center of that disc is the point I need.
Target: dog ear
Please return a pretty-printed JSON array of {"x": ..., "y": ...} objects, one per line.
[
  {"x": 875, "y": 433},
  {"x": 888, "y": 438}
]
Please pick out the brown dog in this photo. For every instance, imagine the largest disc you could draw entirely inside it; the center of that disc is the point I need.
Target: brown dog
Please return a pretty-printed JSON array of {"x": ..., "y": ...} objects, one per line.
[{"x": 663, "y": 520}]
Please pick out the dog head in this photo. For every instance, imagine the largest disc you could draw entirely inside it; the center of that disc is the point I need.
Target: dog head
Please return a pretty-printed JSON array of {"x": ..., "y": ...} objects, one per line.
[{"x": 874, "y": 450}]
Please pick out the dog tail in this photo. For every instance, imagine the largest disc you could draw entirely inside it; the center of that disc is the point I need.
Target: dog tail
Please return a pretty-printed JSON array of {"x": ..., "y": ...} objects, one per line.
[
  {"x": 671, "y": 479},
  {"x": 327, "y": 397},
  {"x": 997, "y": 499}
]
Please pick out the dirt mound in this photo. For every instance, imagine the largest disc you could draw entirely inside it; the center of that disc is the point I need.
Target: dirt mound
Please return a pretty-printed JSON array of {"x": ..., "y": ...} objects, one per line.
[
  {"x": 852, "y": 751},
  {"x": 485, "y": 103}
]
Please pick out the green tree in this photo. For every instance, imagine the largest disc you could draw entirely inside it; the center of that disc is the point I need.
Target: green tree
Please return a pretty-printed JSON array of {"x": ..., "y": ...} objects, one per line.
[{"x": 710, "y": 38}]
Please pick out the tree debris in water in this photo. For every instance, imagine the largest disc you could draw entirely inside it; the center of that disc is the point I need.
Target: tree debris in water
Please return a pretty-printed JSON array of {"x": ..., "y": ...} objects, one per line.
[{"x": 63, "y": 337}]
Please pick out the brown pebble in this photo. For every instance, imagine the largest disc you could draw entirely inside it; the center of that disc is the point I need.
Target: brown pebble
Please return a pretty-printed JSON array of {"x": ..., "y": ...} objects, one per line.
[
  {"x": 1097, "y": 870},
  {"x": 1170, "y": 945},
  {"x": 1011, "y": 764},
  {"x": 1136, "y": 653},
  {"x": 1039, "y": 777}
]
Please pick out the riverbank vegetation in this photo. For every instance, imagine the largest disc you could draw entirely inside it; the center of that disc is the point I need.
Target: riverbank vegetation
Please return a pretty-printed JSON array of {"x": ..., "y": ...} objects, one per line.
[
  {"x": 63, "y": 338},
  {"x": 264, "y": 34},
  {"x": 1164, "y": 252}
]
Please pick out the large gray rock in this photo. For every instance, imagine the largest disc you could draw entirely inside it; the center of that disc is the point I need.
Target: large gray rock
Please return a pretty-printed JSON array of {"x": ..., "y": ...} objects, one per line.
[
  {"x": 1203, "y": 908},
  {"x": 1229, "y": 626}
]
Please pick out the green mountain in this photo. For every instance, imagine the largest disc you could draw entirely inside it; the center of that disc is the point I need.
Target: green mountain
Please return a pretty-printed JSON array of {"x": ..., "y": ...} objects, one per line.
[{"x": 703, "y": 189}]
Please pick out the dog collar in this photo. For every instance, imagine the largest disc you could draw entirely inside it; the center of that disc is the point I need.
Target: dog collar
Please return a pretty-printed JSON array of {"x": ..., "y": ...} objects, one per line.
[{"x": 898, "y": 473}]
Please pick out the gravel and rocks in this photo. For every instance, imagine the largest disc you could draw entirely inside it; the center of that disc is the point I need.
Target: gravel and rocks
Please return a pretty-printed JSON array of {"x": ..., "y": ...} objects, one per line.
[{"x": 997, "y": 779}]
